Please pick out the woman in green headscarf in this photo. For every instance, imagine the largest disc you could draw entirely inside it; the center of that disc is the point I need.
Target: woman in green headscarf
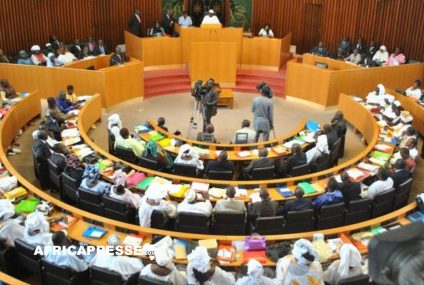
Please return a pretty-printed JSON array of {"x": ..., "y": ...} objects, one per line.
[{"x": 155, "y": 152}]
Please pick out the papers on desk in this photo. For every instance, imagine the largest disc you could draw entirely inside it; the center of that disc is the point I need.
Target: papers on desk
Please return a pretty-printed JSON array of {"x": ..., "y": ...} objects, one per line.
[
  {"x": 208, "y": 243},
  {"x": 256, "y": 151},
  {"x": 141, "y": 129},
  {"x": 241, "y": 193},
  {"x": 177, "y": 190},
  {"x": 355, "y": 173},
  {"x": 132, "y": 240},
  {"x": 254, "y": 197},
  {"x": 290, "y": 143},
  {"x": 200, "y": 187},
  {"x": 373, "y": 169},
  {"x": 218, "y": 193},
  {"x": 279, "y": 150},
  {"x": 201, "y": 151},
  {"x": 82, "y": 151},
  {"x": 244, "y": 153},
  {"x": 70, "y": 133},
  {"x": 383, "y": 148}
]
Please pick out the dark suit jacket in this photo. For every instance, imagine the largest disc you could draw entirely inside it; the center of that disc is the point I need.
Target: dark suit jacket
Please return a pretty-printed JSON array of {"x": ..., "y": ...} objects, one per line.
[
  {"x": 320, "y": 51},
  {"x": 210, "y": 101},
  {"x": 75, "y": 51},
  {"x": 351, "y": 191},
  {"x": 166, "y": 24},
  {"x": 400, "y": 176},
  {"x": 264, "y": 209},
  {"x": 340, "y": 127},
  {"x": 286, "y": 165},
  {"x": 59, "y": 160},
  {"x": 259, "y": 163},
  {"x": 98, "y": 51},
  {"x": 134, "y": 26},
  {"x": 216, "y": 165},
  {"x": 42, "y": 152},
  {"x": 297, "y": 205},
  {"x": 372, "y": 50},
  {"x": 116, "y": 59},
  {"x": 331, "y": 138}
]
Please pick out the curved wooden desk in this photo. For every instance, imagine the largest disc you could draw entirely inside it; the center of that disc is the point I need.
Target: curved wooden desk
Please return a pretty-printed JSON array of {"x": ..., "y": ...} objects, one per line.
[
  {"x": 10, "y": 126},
  {"x": 356, "y": 114}
]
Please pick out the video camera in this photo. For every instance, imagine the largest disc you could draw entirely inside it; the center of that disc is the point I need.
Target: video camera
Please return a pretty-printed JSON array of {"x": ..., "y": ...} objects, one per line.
[
  {"x": 265, "y": 89},
  {"x": 199, "y": 90}
]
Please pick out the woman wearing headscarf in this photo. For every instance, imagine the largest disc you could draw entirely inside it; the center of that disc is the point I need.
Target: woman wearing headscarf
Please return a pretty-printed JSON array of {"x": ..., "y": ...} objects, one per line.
[
  {"x": 255, "y": 275},
  {"x": 202, "y": 270},
  {"x": 396, "y": 58},
  {"x": 163, "y": 268},
  {"x": 37, "y": 57},
  {"x": 189, "y": 205},
  {"x": 379, "y": 97},
  {"x": 349, "y": 265},
  {"x": 114, "y": 125},
  {"x": 37, "y": 230},
  {"x": 155, "y": 152},
  {"x": 381, "y": 56},
  {"x": 321, "y": 147},
  {"x": 302, "y": 267},
  {"x": 188, "y": 156},
  {"x": 90, "y": 180},
  {"x": 74, "y": 167},
  {"x": 11, "y": 229},
  {"x": 120, "y": 192},
  {"x": 151, "y": 201}
]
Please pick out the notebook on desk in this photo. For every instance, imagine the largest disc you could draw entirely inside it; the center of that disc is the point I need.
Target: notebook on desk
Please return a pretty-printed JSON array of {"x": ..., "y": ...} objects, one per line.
[
  {"x": 285, "y": 192},
  {"x": 94, "y": 232}
]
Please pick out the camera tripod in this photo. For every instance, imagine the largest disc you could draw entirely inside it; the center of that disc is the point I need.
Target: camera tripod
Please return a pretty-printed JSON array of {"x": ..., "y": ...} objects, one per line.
[{"x": 197, "y": 110}]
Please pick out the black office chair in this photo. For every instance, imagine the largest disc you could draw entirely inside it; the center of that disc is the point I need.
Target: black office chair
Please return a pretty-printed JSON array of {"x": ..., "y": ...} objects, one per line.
[
  {"x": 225, "y": 223},
  {"x": 342, "y": 146},
  {"x": 35, "y": 164},
  {"x": 90, "y": 201},
  {"x": 320, "y": 164},
  {"x": 357, "y": 211},
  {"x": 26, "y": 257},
  {"x": 146, "y": 280},
  {"x": 330, "y": 216},
  {"x": 402, "y": 194},
  {"x": 118, "y": 210},
  {"x": 185, "y": 170},
  {"x": 126, "y": 154},
  {"x": 220, "y": 175},
  {"x": 159, "y": 220},
  {"x": 299, "y": 221},
  {"x": 148, "y": 163},
  {"x": 383, "y": 203},
  {"x": 60, "y": 275},
  {"x": 70, "y": 187},
  {"x": 55, "y": 174},
  {"x": 241, "y": 138},
  {"x": 101, "y": 276},
  {"x": 9, "y": 262},
  {"x": 357, "y": 280},
  {"x": 335, "y": 152},
  {"x": 269, "y": 225},
  {"x": 111, "y": 142},
  {"x": 299, "y": 170},
  {"x": 263, "y": 173},
  {"x": 192, "y": 223}
]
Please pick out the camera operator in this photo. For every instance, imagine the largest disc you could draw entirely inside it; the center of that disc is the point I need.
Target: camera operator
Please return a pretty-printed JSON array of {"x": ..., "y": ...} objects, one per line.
[
  {"x": 263, "y": 112},
  {"x": 209, "y": 102}
]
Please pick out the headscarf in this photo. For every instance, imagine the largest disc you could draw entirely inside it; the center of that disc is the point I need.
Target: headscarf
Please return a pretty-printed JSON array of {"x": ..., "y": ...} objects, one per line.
[
  {"x": 119, "y": 177},
  {"x": 190, "y": 196},
  {"x": 7, "y": 210},
  {"x": 255, "y": 269},
  {"x": 35, "y": 48},
  {"x": 350, "y": 257},
  {"x": 113, "y": 120},
  {"x": 91, "y": 172},
  {"x": 50, "y": 54},
  {"x": 381, "y": 89},
  {"x": 187, "y": 150},
  {"x": 163, "y": 257},
  {"x": 73, "y": 161},
  {"x": 152, "y": 149},
  {"x": 301, "y": 247},
  {"x": 199, "y": 259},
  {"x": 36, "y": 222},
  {"x": 155, "y": 194},
  {"x": 383, "y": 48}
]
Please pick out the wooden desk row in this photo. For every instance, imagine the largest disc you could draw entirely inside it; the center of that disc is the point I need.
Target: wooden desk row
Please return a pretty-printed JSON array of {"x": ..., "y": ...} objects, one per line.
[{"x": 9, "y": 128}]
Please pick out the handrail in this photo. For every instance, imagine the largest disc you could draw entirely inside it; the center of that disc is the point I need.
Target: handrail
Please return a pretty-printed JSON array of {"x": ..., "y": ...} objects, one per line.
[
  {"x": 89, "y": 111},
  {"x": 7, "y": 279}
]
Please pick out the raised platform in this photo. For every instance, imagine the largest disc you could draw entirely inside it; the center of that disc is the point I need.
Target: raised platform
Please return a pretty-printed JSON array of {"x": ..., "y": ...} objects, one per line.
[{"x": 171, "y": 81}]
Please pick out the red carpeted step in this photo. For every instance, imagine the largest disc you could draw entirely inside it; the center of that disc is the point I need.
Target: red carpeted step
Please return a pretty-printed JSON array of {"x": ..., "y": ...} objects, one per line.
[
  {"x": 166, "y": 89},
  {"x": 166, "y": 73},
  {"x": 166, "y": 81}
]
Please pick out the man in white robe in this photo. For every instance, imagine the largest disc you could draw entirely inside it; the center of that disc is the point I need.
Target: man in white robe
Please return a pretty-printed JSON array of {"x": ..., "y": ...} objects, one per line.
[
  {"x": 37, "y": 230},
  {"x": 255, "y": 275},
  {"x": 349, "y": 265},
  {"x": 114, "y": 125},
  {"x": 189, "y": 205},
  {"x": 10, "y": 228},
  {"x": 210, "y": 18},
  {"x": 154, "y": 200},
  {"x": 126, "y": 266}
]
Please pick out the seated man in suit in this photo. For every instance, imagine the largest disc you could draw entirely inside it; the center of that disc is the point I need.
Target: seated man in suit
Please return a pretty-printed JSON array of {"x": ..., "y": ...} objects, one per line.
[
  {"x": 222, "y": 164},
  {"x": 42, "y": 153},
  {"x": 401, "y": 173},
  {"x": 76, "y": 48},
  {"x": 265, "y": 208},
  {"x": 320, "y": 50},
  {"x": 300, "y": 204},
  {"x": 101, "y": 48},
  {"x": 333, "y": 195},
  {"x": 297, "y": 158},
  {"x": 229, "y": 204},
  {"x": 118, "y": 57},
  {"x": 351, "y": 190},
  {"x": 245, "y": 129},
  {"x": 124, "y": 140},
  {"x": 59, "y": 155},
  {"x": 261, "y": 162},
  {"x": 331, "y": 135},
  {"x": 338, "y": 123},
  {"x": 207, "y": 135}
]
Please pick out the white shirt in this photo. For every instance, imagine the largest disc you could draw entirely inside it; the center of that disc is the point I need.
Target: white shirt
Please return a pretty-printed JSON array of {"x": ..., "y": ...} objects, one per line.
[
  {"x": 185, "y": 22},
  {"x": 175, "y": 277},
  {"x": 70, "y": 261},
  {"x": 381, "y": 57},
  {"x": 145, "y": 211},
  {"x": 194, "y": 161},
  {"x": 414, "y": 93},
  {"x": 128, "y": 197},
  {"x": 124, "y": 265},
  {"x": 251, "y": 135},
  {"x": 247, "y": 280},
  {"x": 66, "y": 58},
  {"x": 289, "y": 272},
  {"x": 220, "y": 277},
  {"x": 263, "y": 33},
  {"x": 10, "y": 231},
  {"x": 204, "y": 208},
  {"x": 320, "y": 148},
  {"x": 379, "y": 187},
  {"x": 210, "y": 20}
]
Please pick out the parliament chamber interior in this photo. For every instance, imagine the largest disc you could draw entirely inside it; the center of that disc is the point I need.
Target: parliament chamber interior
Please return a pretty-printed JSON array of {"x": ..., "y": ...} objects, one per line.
[{"x": 248, "y": 142}]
